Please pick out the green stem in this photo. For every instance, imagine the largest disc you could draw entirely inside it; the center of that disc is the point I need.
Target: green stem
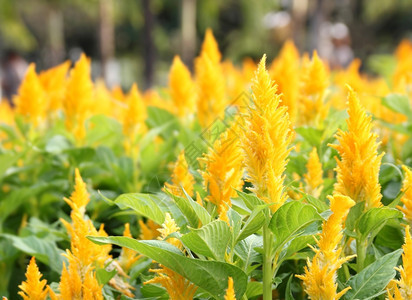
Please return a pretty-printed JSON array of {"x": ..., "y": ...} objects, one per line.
[
  {"x": 267, "y": 263},
  {"x": 361, "y": 247}
]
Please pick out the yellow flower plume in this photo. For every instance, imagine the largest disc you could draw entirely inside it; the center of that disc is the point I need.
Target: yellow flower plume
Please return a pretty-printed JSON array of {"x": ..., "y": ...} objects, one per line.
[
  {"x": 77, "y": 102},
  {"x": 210, "y": 47},
  {"x": 31, "y": 99},
  {"x": 407, "y": 196},
  {"x": 230, "y": 292},
  {"x": 313, "y": 177},
  {"x": 266, "y": 140},
  {"x": 319, "y": 280},
  {"x": 359, "y": 163},
  {"x": 223, "y": 168},
  {"x": 403, "y": 286},
  {"x": 33, "y": 287},
  {"x": 182, "y": 89},
  {"x": 168, "y": 227},
  {"x": 181, "y": 178}
]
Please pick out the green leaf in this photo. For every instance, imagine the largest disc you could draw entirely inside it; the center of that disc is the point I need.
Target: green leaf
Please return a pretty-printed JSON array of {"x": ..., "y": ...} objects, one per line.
[
  {"x": 212, "y": 276},
  {"x": 254, "y": 289},
  {"x": 144, "y": 204},
  {"x": 288, "y": 292},
  {"x": 104, "y": 276},
  {"x": 245, "y": 249},
  {"x": 6, "y": 161},
  {"x": 211, "y": 240},
  {"x": 44, "y": 250},
  {"x": 374, "y": 278},
  {"x": 253, "y": 223},
  {"x": 312, "y": 135},
  {"x": 398, "y": 103},
  {"x": 250, "y": 200},
  {"x": 374, "y": 219},
  {"x": 353, "y": 216},
  {"x": 186, "y": 209},
  {"x": 290, "y": 220}
]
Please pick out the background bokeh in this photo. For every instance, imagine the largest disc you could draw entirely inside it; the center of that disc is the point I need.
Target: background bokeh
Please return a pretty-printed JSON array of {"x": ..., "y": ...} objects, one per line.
[{"x": 135, "y": 41}]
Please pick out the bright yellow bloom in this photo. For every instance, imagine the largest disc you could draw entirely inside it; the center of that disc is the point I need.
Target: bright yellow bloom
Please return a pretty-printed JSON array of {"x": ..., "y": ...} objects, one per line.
[
  {"x": 33, "y": 288},
  {"x": 313, "y": 177},
  {"x": 148, "y": 231},
  {"x": 266, "y": 140},
  {"x": 77, "y": 102},
  {"x": 230, "y": 292},
  {"x": 103, "y": 99},
  {"x": 181, "y": 178},
  {"x": 80, "y": 197},
  {"x": 285, "y": 72},
  {"x": 54, "y": 82},
  {"x": 182, "y": 89},
  {"x": 134, "y": 115},
  {"x": 407, "y": 196},
  {"x": 210, "y": 47},
  {"x": 359, "y": 164},
  {"x": 314, "y": 84},
  {"x": 223, "y": 208},
  {"x": 211, "y": 90},
  {"x": 168, "y": 227},
  {"x": 178, "y": 287},
  {"x": 31, "y": 100},
  {"x": 320, "y": 275},
  {"x": 403, "y": 286},
  {"x": 224, "y": 168}
]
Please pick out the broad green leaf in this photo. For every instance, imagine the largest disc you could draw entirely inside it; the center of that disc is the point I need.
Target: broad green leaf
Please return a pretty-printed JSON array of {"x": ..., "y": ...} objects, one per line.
[
  {"x": 312, "y": 135},
  {"x": 353, "y": 216},
  {"x": 254, "y": 289},
  {"x": 374, "y": 219},
  {"x": 57, "y": 144},
  {"x": 320, "y": 205},
  {"x": 211, "y": 276},
  {"x": 245, "y": 249},
  {"x": 211, "y": 240},
  {"x": 254, "y": 222},
  {"x": 290, "y": 220},
  {"x": 398, "y": 103},
  {"x": 200, "y": 211},
  {"x": 104, "y": 276},
  {"x": 44, "y": 250},
  {"x": 144, "y": 204},
  {"x": 6, "y": 161},
  {"x": 186, "y": 209},
  {"x": 374, "y": 278},
  {"x": 250, "y": 200}
]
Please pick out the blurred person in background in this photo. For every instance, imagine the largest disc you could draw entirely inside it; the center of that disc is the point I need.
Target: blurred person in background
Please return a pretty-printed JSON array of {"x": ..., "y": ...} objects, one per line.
[{"x": 13, "y": 68}]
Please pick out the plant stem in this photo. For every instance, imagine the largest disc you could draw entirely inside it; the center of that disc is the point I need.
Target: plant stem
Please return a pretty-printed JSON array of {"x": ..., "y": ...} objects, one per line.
[
  {"x": 361, "y": 247},
  {"x": 267, "y": 263}
]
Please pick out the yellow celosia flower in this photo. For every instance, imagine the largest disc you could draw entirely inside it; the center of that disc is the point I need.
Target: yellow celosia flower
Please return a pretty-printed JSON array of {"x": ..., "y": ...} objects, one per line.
[
  {"x": 266, "y": 140},
  {"x": 168, "y": 227},
  {"x": 33, "y": 287},
  {"x": 135, "y": 113},
  {"x": 313, "y": 177},
  {"x": 148, "y": 231},
  {"x": 223, "y": 208},
  {"x": 54, "y": 82},
  {"x": 407, "y": 196},
  {"x": 182, "y": 89},
  {"x": 285, "y": 72},
  {"x": 224, "y": 168},
  {"x": 403, "y": 287},
  {"x": 31, "y": 100},
  {"x": 359, "y": 163},
  {"x": 77, "y": 102},
  {"x": 211, "y": 90},
  {"x": 80, "y": 197},
  {"x": 230, "y": 292},
  {"x": 210, "y": 47},
  {"x": 320, "y": 275},
  {"x": 178, "y": 287},
  {"x": 103, "y": 100},
  {"x": 181, "y": 178},
  {"x": 314, "y": 84}
]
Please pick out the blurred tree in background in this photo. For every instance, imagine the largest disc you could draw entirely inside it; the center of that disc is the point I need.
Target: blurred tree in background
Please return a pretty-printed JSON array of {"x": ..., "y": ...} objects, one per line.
[{"x": 136, "y": 40}]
